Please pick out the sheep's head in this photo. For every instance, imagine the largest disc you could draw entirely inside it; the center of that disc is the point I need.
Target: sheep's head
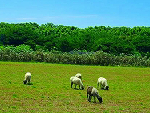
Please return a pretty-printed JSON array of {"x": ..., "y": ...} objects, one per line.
[
  {"x": 107, "y": 87},
  {"x": 82, "y": 87},
  {"x": 80, "y": 77},
  {"x": 25, "y": 81},
  {"x": 100, "y": 99}
]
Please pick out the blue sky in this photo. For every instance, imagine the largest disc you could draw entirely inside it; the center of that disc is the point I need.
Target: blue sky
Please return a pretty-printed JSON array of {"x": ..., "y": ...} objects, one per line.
[{"x": 79, "y": 13}]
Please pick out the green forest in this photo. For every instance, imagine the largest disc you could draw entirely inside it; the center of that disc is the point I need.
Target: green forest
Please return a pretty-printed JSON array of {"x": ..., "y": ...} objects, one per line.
[
  {"x": 99, "y": 45},
  {"x": 49, "y": 37}
]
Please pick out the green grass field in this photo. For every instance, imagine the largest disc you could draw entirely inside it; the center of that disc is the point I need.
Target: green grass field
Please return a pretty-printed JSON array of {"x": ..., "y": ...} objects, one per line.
[{"x": 51, "y": 91}]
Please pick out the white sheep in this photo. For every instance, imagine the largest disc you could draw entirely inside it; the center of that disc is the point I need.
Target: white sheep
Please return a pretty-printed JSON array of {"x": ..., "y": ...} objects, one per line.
[
  {"x": 92, "y": 91},
  {"x": 79, "y": 75},
  {"x": 27, "y": 78},
  {"x": 103, "y": 83},
  {"x": 76, "y": 81}
]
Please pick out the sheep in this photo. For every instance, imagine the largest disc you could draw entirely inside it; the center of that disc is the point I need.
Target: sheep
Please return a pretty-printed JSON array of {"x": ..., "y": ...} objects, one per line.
[
  {"x": 27, "y": 78},
  {"x": 76, "y": 81},
  {"x": 79, "y": 75},
  {"x": 92, "y": 91},
  {"x": 103, "y": 83}
]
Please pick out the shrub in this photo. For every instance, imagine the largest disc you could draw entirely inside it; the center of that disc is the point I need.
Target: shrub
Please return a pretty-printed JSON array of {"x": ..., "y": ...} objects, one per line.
[{"x": 24, "y": 53}]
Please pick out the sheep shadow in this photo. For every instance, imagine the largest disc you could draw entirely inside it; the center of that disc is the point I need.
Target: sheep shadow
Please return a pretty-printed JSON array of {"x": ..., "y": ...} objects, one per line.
[
  {"x": 29, "y": 83},
  {"x": 96, "y": 103},
  {"x": 103, "y": 89},
  {"x": 92, "y": 102},
  {"x": 77, "y": 89}
]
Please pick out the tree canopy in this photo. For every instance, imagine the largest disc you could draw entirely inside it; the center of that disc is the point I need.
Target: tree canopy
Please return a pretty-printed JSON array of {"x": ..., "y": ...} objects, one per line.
[{"x": 114, "y": 40}]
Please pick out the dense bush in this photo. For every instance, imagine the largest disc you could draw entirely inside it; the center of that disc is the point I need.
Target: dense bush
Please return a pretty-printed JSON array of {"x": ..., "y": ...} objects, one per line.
[
  {"x": 19, "y": 53},
  {"x": 26, "y": 54}
]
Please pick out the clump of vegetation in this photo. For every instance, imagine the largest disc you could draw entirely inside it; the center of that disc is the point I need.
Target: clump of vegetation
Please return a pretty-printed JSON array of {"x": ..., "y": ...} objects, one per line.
[
  {"x": 21, "y": 53},
  {"x": 24, "y": 53}
]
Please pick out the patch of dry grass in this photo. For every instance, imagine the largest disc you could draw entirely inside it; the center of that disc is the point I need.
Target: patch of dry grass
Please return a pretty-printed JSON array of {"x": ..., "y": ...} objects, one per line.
[{"x": 50, "y": 90}]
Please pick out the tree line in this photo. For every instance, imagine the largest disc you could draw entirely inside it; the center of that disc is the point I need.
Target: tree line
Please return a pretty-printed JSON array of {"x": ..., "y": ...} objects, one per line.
[{"x": 48, "y": 37}]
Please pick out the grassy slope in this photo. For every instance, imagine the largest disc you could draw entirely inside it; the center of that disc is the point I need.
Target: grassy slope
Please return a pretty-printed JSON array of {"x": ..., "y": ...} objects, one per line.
[{"x": 51, "y": 92}]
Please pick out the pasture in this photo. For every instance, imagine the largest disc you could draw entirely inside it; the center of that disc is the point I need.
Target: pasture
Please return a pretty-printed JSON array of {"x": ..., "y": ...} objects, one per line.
[{"x": 129, "y": 89}]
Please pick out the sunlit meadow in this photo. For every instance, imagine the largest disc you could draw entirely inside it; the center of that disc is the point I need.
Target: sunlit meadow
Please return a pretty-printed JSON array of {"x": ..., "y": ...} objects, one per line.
[{"x": 51, "y": 92}]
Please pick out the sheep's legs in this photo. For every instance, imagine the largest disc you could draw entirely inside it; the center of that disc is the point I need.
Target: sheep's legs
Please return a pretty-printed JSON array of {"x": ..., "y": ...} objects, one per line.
[
  {"x": 94, "y": 100},
  {"x": 87, "y": 96},
  {"x": 75, "y": 86},
  {"x": 102, "y": 87},
  {"x": 97, "y": 84},
  {"x": 90, "y": 97},
  {"x": 71, "y": 84}
]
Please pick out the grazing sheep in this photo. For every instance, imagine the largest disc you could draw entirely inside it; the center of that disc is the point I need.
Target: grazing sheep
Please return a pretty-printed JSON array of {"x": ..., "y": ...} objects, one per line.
[
  {"x": 103, "y": 83},
  {"x": 79, "y": 75},
  {"x": 76, "y": 81},
  {"x": 27, "y": 78},
  {"x": 92, "y": 91}
]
